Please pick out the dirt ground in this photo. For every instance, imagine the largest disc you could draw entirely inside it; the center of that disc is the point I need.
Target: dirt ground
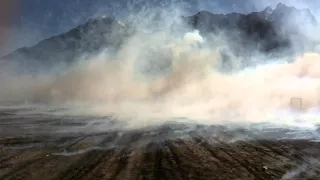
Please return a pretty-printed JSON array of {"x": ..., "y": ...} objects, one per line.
[{"x": 37, "y": 146}]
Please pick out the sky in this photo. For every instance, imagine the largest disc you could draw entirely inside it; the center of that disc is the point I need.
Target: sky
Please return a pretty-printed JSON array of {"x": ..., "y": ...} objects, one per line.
[{"x": 27, "y": 22}]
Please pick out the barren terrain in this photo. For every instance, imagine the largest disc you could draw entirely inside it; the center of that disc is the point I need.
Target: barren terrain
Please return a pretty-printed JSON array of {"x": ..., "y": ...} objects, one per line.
[{"x": 40, "y": 146}]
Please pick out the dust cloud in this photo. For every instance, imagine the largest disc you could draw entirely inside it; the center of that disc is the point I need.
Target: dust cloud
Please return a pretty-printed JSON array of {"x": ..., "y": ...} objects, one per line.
[{"x": 160, "y": 78}]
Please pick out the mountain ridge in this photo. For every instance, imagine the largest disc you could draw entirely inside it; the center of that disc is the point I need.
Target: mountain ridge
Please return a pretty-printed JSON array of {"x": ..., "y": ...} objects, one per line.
[{"x": 262, "y": 28}]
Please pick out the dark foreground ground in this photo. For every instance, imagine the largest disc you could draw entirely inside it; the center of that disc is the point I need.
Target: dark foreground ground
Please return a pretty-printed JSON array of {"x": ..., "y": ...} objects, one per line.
[{"x": 39, "y": 146}]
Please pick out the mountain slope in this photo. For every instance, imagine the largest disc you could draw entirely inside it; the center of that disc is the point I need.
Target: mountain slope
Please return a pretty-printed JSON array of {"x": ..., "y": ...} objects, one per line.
[{"x": 86, "y": 39}]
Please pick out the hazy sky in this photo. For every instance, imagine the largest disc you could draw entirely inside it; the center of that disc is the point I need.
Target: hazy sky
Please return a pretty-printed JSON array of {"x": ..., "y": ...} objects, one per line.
[{"x": 34, "y": 20}]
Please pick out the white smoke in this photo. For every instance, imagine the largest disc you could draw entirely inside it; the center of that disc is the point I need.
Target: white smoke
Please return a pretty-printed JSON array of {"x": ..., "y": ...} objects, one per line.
[
  {"x": 193, "y": 88},
  {"x": 190, "y": 84}
]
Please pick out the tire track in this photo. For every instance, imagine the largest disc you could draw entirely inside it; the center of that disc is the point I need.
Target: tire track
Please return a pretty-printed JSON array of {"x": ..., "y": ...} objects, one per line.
[
  {"x": 175, "y": 159},
  {"x": 157, "y": 167},
  {"x": 168, "y": 165},
  {"x": 121, "y": 163},
  {"x": 25, "y": 159},
  {"x": 18, "y": 172},
  {"x": 81, "y": 168}
]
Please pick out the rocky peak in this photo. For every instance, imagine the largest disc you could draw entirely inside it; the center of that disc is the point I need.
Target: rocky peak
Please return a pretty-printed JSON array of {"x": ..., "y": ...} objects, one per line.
[
  {"x": 283, "y": 7},
  {"x": 267, "y": 12},
  {"x": 287, "y": 14}
]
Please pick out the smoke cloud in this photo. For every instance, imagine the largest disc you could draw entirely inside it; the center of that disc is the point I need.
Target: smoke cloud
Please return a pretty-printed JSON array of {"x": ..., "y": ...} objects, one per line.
[{"x": 159, "y": 76}]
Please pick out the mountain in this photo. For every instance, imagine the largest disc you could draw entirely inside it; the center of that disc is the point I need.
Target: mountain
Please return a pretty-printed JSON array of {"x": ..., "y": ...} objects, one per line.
[
  {"x": 289, "y": 15},
  {"x": 267, "y": 31},
  {"x": 86, "y": 39}
]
